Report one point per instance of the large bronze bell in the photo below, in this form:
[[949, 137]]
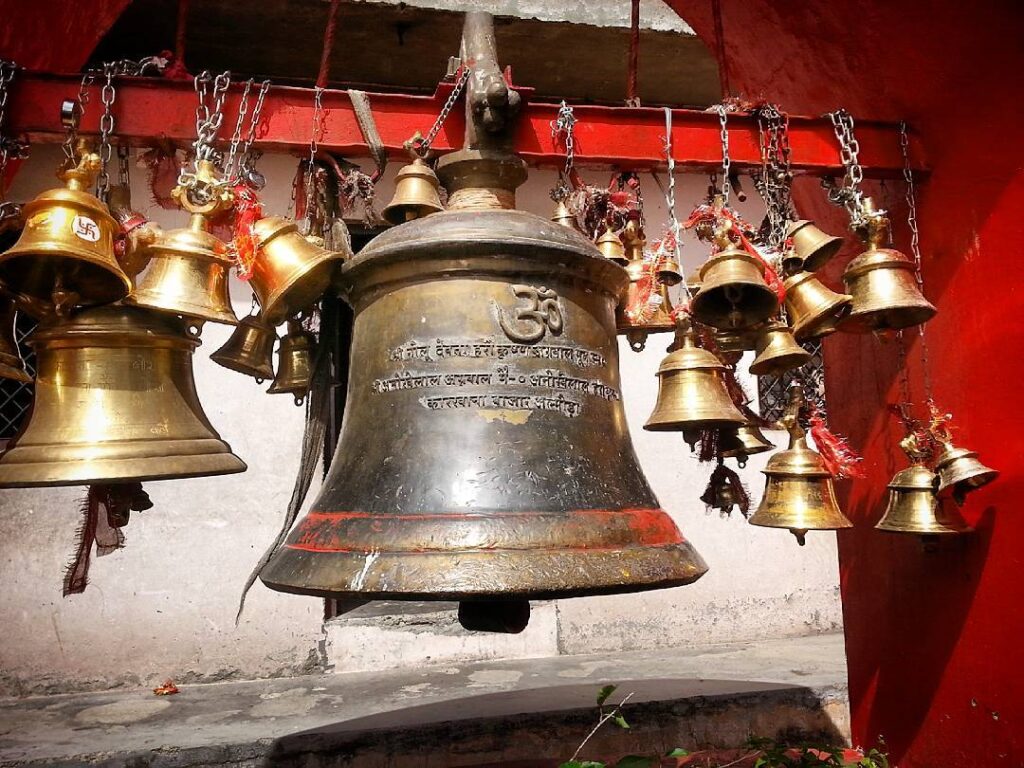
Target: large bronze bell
[[914, 508], [733, 293], [960, 471], [814, 311], [249, 349], [812, 247], [294, 363], [882, 283], [798, 491], [692, 393], [777, 351], [11, 365], [67, 244], [290, 273], [484, 454], [416, 193], [114, 401]]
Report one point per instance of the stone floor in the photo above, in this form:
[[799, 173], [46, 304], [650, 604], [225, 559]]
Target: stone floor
[[522, 712]]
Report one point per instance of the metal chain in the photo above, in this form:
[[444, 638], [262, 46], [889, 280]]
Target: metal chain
[[108, 94], [318, 108], [420, 146], [72, 113], [208, 120], [249, 156], [565, 124], [726, 160], [124, 173], [236, 135], [9, 147], [848, 194], [915, 248]]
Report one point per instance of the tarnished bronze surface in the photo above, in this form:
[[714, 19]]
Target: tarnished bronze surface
[[294, 363], [746, 441], [249, 349], [484, 450], [67, 245], [733, 293], [114, 401], [960, 471], [812, 308], [11, 364], [914, 508], [290, 273], [777, 351], [416, 194], [812, 247], [692, 394]]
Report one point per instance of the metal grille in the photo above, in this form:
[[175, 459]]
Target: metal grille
[[771, 390], [16, 397]]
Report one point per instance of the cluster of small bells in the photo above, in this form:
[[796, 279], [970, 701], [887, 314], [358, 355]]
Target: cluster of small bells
[[121, 305], [733, 309]]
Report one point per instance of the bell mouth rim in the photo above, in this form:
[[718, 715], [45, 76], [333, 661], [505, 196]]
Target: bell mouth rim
[[143, 469], [880, 319]]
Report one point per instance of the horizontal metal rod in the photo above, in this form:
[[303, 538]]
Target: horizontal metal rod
[[151, 110]]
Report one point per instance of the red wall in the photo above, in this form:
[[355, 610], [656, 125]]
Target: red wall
[[935, 641]]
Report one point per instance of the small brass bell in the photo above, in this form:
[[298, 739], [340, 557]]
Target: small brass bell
[[745, 441], [732, 344], [611, 247], [960, 471], [294, 363], [416, 193], [11, 365], [188, 268], [733, 292], [250, 349], [798, 491], [67, 242], [814, 311], [883, 284], [914, 508], [692, 394], [813, 247], [563, 215], [290, 273], [115, 401], [669, 272], [777, 351]]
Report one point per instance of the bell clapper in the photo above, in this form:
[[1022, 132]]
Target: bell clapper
[[800, 534]]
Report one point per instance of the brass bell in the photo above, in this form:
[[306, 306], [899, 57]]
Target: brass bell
[[733, 293], [914, 508], [249, 349], [813, 247], [744, 441], [882, 283], [294, 363], [611, 247], [777, 351], [692, 394], [290, 273], [115, 401], [67, 243], [416, 193], [188, 268], [11, 365], [669, 272], [814, 311], [732, 344], [798, 491], [563, 215], [960, 471]]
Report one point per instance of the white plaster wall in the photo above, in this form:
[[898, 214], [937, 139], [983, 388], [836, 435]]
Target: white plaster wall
[[165, 605]]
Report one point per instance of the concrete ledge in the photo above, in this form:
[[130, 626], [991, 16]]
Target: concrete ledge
[[467, 715]]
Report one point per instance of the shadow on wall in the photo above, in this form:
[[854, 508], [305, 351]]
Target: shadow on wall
[[543, 727]]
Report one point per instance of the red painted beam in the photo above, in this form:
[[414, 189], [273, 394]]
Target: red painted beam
[[148, 110]]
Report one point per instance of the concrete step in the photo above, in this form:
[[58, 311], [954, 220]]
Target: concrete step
[[533, 711]]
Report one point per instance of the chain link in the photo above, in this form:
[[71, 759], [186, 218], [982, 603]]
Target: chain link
[[723, 121], [318, 109], [73, 119], [209, 114], [9, 147], [848, 194], [422, 145], [915, 248], [564, 124], [108, 94]]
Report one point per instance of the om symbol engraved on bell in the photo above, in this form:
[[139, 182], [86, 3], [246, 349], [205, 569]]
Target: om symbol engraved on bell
[[540, 314]]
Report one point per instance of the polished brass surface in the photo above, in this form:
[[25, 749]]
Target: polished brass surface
[[611, 247], [798, 492], [960, 471], [11, 364], [294, 363], [669, 272], [484, 450], [563, 215], [745, 440], [883, 285], [250, 349], [290, 272], [67, 244], [777, 351], [914, 508], [733, 293], [813, 310], [416, 193], [813, 247], [114, 401], [692, 394]]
